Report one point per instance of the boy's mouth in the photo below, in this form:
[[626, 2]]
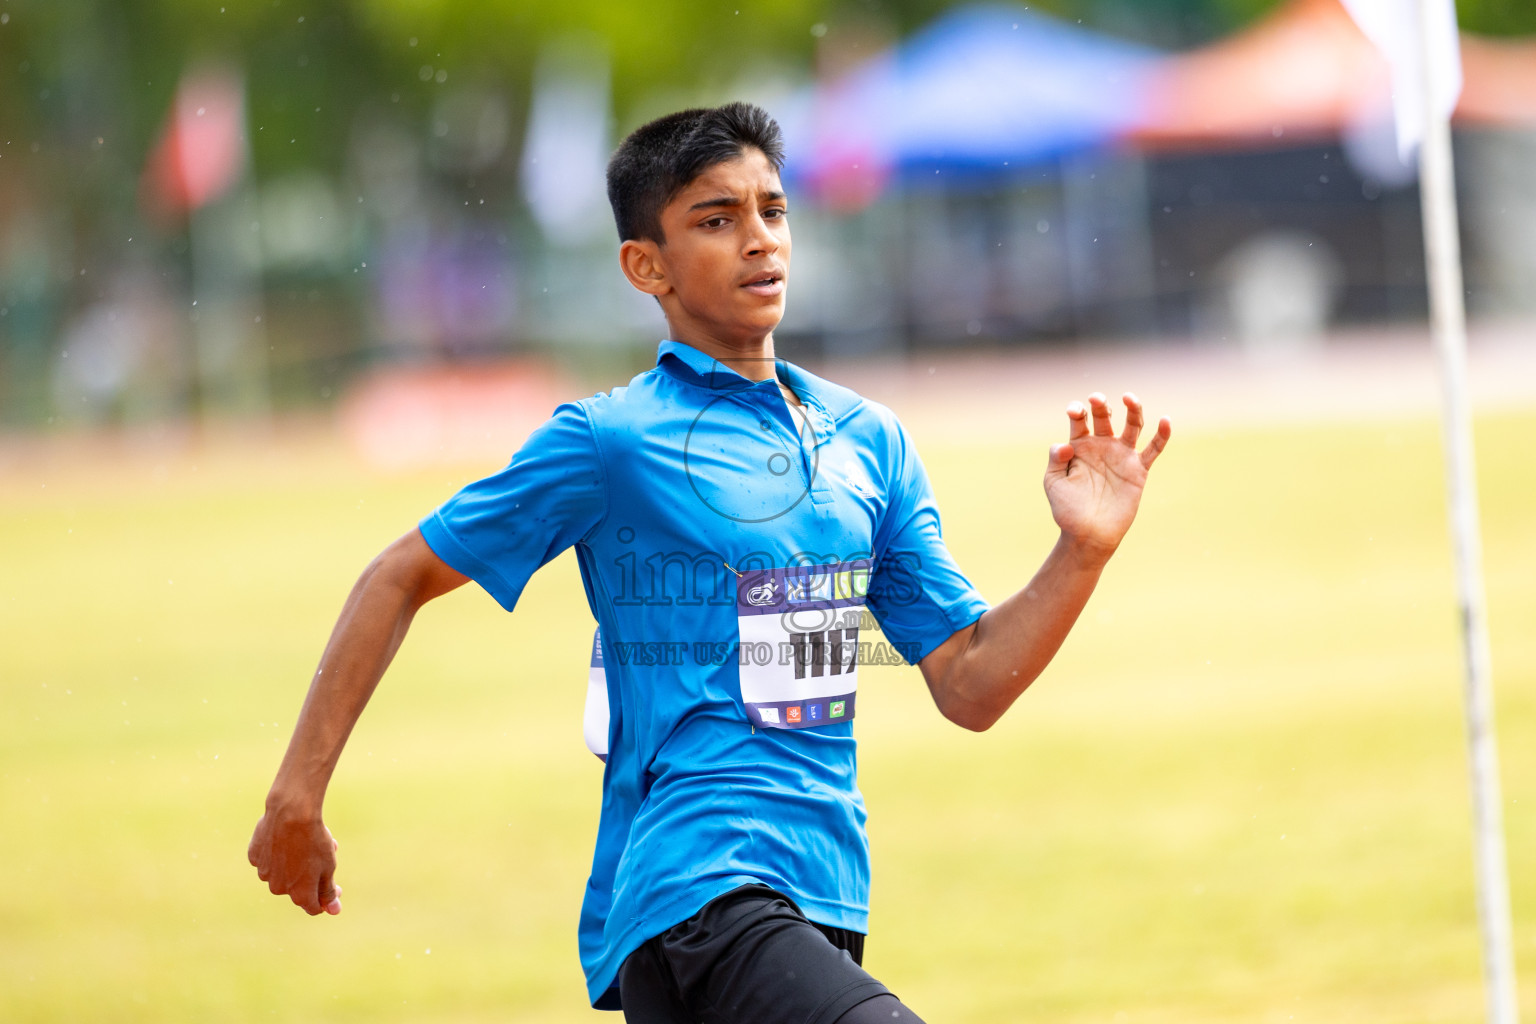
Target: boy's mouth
[[766, 285]]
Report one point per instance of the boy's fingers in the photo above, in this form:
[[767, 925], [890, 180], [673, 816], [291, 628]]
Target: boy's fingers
[[1102, 426], [1077, 421], [306, 902], [327, 888], [1133, 419], [1159, 441]]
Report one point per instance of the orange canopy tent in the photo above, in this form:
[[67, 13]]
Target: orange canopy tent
[[1305, 72]]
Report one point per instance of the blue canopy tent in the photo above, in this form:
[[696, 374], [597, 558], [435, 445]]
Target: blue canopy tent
[[977, 93]]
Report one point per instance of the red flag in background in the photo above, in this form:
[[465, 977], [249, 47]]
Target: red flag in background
[[202, 149]]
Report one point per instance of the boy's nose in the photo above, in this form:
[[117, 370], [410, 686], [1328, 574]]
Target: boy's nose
[[762, 240]]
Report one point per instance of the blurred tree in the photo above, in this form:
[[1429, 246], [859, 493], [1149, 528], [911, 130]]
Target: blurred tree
[[76, 71], [1498, 17]]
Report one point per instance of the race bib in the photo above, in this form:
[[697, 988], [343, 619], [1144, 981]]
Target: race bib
[[799, 652]]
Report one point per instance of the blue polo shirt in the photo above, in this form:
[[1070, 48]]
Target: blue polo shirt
[[730, 551]]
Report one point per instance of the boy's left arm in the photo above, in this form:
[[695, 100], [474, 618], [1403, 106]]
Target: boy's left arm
[[1093, 483]]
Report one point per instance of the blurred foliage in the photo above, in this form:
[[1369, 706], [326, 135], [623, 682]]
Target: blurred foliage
[[83, 70], [1497, 17]]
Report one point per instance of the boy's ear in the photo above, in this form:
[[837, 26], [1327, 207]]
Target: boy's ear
[[640, 259]]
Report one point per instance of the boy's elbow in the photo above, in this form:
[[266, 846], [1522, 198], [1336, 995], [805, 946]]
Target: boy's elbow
[[975, 704], [972, 719], [968, 713]]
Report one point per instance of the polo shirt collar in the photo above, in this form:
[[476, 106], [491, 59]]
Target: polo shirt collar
[[684, 361]]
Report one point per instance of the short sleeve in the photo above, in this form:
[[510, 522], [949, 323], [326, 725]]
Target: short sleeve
[[916, 591], [500, 529]]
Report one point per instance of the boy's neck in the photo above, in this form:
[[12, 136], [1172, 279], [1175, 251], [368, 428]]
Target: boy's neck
[[754, 360]]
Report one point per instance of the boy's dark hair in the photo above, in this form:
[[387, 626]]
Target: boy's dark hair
[[659, 159]]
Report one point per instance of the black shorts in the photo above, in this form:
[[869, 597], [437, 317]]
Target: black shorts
[[747, 957]]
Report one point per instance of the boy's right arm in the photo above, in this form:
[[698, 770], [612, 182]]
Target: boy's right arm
[[291, 849]]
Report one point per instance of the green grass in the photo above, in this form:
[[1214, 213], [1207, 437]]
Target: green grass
[[1239, 794]]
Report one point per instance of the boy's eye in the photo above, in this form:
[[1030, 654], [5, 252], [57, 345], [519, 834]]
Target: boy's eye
[[775, 212], [714, 222]]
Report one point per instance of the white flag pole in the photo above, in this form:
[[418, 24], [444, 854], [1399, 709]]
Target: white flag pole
[[1448, 320]]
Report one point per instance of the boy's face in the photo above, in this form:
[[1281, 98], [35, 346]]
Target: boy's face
[[722, 274]]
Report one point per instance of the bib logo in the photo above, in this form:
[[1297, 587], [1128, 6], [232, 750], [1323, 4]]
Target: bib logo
[[792, 714], [769, 715], [837, 709], [804, 589], [762, 593]]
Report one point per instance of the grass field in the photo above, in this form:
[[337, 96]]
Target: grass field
[[1239, 794]]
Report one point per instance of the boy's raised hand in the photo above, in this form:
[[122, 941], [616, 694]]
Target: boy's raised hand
[[1094, 480]]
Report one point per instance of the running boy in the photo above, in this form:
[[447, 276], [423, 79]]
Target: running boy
[[733, 517]]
